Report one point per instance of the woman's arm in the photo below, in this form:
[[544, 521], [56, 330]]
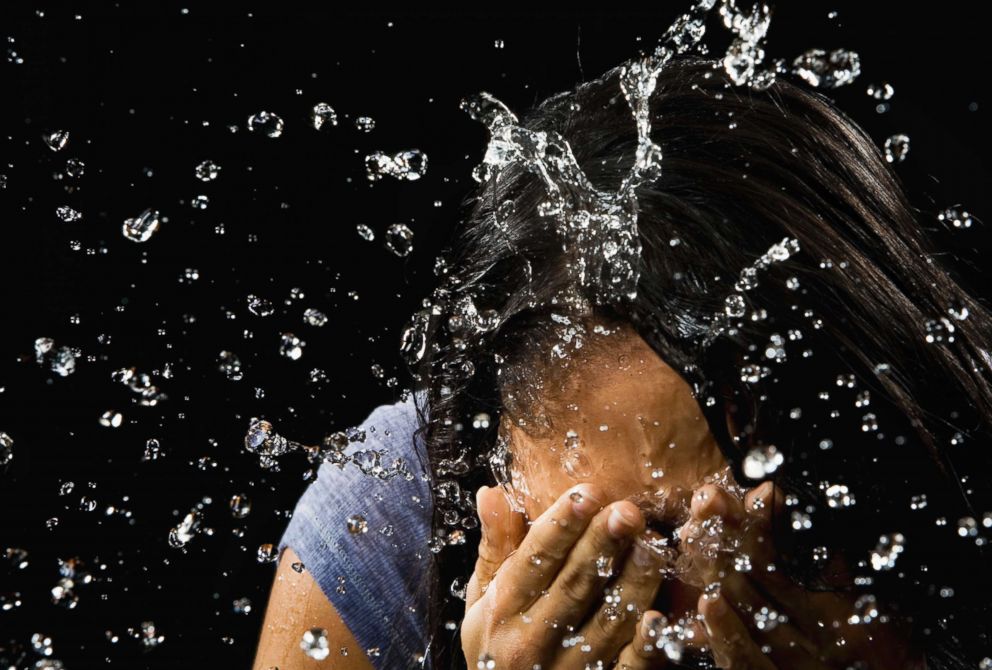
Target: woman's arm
[[296, 605]]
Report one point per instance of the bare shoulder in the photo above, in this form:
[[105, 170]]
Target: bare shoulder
[[296, 604]]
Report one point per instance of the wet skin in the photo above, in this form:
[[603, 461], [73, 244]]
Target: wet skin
[[540, 566], [656, 439]]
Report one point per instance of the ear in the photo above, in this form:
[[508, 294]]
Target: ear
[[738, 411], [731, 421]]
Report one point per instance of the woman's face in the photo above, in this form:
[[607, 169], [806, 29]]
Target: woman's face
[[621, 418]]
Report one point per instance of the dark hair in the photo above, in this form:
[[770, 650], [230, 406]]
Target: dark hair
[[858, 355]]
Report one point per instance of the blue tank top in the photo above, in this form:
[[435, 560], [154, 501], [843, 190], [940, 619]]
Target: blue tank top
[[374, 570]]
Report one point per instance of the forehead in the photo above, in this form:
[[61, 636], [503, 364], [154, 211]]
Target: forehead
[[613, 371]]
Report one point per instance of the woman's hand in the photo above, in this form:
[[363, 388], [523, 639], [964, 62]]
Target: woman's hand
[[756, 617], [542, 603]]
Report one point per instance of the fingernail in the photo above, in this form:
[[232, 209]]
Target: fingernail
[[584, 503], [621, 521]]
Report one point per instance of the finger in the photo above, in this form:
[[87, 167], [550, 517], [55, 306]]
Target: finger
[[502, 530], [646, 651], [626, 599], [788, 646], [531, 568], [765, 502], [714, 531], [711, 500], [578, 585], [729, 639]]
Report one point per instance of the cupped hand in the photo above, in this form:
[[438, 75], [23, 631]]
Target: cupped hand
[[565, 593], [755, 616]]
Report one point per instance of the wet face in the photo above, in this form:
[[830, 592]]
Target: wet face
[[618, 416]]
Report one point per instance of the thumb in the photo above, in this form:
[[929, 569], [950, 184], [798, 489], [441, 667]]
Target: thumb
[[502, 531]]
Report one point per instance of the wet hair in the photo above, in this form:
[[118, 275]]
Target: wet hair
[[860, 357]]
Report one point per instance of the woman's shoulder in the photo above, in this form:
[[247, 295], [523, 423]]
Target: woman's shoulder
[[361, 529]]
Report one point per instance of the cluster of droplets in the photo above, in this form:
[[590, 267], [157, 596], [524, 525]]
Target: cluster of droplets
[[146, 393], [735, 304], [887, 551], [597, 228], [672, 637], [457, 512], [72, 575], [60, 360], [262, 440], [406, 165]]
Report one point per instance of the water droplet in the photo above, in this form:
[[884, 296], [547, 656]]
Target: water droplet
[[291, 346], [153, 450], [734, 305], [229, 364], [267, 123], [57, 139], [6, 448], [399, 239], [267, 553], [67, 214], [207, 171], [240, 505], [111, 419], [323, 116], [762, 461], [314, 644], [260, 306], [314, 317], [357, 524], [365, 124], [896, 148], [63, 361], [75, 168], [365, 232], [185, 531], [142, 227]]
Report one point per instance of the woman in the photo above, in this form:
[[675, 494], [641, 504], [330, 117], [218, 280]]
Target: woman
[[789, 324]]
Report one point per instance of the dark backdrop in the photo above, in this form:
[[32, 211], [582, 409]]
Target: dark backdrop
[[147, 94]]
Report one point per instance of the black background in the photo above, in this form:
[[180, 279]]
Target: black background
[[147, 93]]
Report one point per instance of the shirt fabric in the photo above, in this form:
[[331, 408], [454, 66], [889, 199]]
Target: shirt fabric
[[377, 580]]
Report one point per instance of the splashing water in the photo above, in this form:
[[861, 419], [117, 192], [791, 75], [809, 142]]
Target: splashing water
[[599, 231]]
